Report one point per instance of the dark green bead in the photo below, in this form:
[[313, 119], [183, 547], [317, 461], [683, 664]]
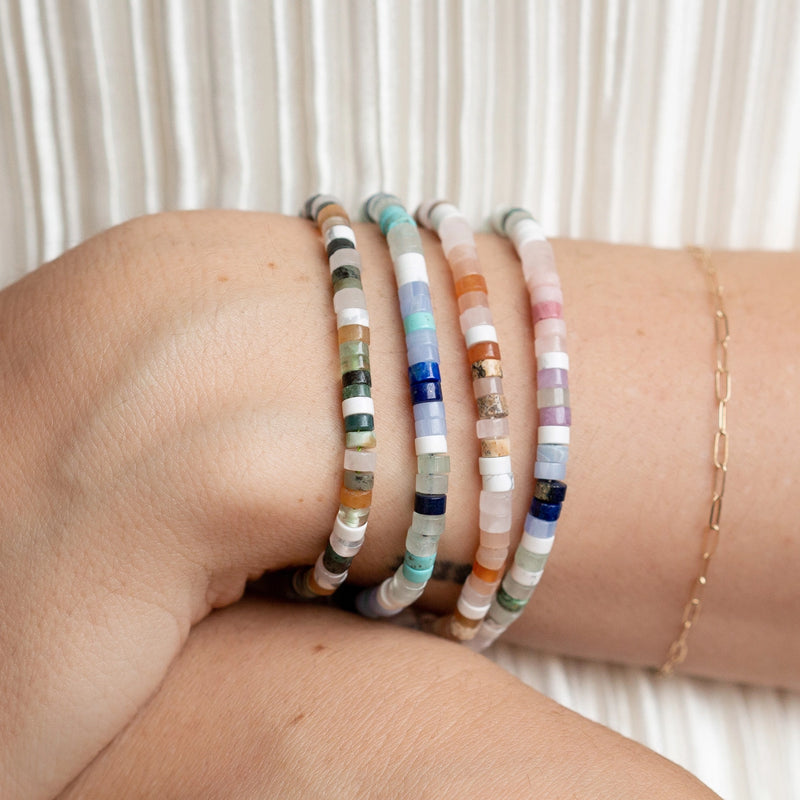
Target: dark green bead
[[508, 602], [356, 390], [335, 563], [359, 422]]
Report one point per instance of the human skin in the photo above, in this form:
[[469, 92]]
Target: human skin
[[301, 702], [172, 428]]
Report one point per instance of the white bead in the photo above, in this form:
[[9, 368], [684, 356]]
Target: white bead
[[553, 434], [352, 316], [497, 483], [552, 361], [523, 577], [471, 610], [357, 405], [339, 232], [430, 444], [347, 533], [498, 465], [527, 230], [409, 267], [535, 545], [480, 333], [344, 548], [441, 212]]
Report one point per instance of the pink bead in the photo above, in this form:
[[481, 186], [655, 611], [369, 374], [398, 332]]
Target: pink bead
[[471, 299], [495, 502], [455, 231], [555, 415], [463, 261], [483, 386], [481, 587], [542, 311], [537, 252], [541, 277], [494, 428], [496, 540], [548, 326], [491, 557], [477, 315], [552, 379], [550, 344], [547, 294]]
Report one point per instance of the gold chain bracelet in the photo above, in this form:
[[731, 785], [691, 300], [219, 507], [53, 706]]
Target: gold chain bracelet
[[679, 649]]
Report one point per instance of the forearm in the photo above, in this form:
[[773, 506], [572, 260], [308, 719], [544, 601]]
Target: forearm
[[277, 701], [641, 341]]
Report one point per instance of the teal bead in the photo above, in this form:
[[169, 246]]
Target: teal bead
[[419, 563], [416, 575], [418, 320]]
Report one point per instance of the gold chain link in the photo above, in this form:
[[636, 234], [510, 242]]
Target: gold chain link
[[679, 649]]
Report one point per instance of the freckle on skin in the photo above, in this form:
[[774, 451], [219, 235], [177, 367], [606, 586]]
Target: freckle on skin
[[318, 648], [639, 332], [320, 498], [297, 719], [222, 278]]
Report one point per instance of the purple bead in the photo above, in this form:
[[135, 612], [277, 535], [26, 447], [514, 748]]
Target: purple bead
[[414, 296], [555, 415], [430, 427], [552, 379], [434, 410]]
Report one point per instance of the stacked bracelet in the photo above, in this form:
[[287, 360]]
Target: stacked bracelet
[[433, 464], [352, 322], [483, 355], [552, 398]]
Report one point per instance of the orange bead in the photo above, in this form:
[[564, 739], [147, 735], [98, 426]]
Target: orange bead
[[471, 283], [353, 333], [483, 350], [333, 210], [486, 575], [316, 588], [353, 498]]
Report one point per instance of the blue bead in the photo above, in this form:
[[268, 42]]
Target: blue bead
[[426, 392], [546, 511], [539, 528], [432, 410], [420, 352], [550, 491], [414, 296], [424, 371], [429, 427], [430, 504]]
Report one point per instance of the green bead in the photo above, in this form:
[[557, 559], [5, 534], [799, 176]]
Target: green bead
[[356, 390], [359, 422], [354, 362], [355, 440], [532, 562], [433, 464], [347, 283]]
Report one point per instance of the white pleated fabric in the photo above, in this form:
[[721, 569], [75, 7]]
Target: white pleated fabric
[[661, 123]]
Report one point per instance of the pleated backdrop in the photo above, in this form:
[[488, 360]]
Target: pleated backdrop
[[654, 122]]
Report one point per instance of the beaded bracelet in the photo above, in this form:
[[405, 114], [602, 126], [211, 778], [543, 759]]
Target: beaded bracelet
[[352, 322], [483, 356], [433, 463], [552, 401]]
